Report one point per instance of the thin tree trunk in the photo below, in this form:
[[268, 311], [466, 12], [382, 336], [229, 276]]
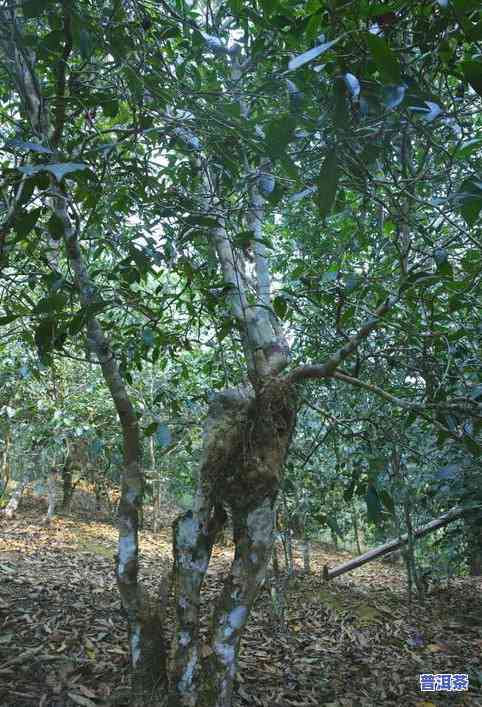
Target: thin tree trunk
[[474, 542], [67, 485], [51, 494], [5, 464], [253, 537], [194, 535], [275, 560], [288, 551], [144, 620], [306, 550], [440, 522], [356, 533], [12, 506], [156, 487]]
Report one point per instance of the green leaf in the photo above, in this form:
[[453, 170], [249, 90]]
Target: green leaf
[[8, 319], [473, 74], [387, 501], [110, 108], [49, 305], [311, 54], [279, 134], [206, 221], [280, 306], [34, 8], [468, 148], [469, 198], [59, 170], [56, 227], [236, 6], [163, 435], [30, 146], [26, 221], [150, 429], [384, 58], [269, 7], [374, 507], [85, 44], [327, 183], [473, 446], [148, 338]]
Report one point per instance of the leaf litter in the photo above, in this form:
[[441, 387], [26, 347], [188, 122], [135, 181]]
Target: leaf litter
[[349, 642]]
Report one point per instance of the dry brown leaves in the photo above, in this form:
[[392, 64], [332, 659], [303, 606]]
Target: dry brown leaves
[[346, 643]]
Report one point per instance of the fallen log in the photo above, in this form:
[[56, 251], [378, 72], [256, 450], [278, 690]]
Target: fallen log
[[385, 549]]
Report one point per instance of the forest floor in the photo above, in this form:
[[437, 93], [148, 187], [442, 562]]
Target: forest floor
[[352, 641]]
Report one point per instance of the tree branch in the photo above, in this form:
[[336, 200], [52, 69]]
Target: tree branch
[[399, 402], [61, 82], [327, 369]]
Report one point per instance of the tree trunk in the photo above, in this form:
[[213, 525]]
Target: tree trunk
[[67, 485], [474, 543], [51, 494], [253, 537], [5, 463], [356, 533], [12, 506], [156, 488], [147, 652], [306, 550], [245, 443]]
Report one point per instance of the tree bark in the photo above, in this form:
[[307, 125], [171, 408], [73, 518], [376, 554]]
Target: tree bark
[[306, 550], [67, 485], [246, 438], [144, 621], [51, 494], [12, 505], [253, 537], [473, 529], [355, 527], [440, 522], [5, 463]]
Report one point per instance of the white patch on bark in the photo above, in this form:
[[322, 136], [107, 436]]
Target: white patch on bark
[[183, 602], [260, 524], [188, 675], [187, 532], [136, 645], [253, 557], [225, 652], [127, 547], [237, 616], [184, 638], [131, 495], [198, 565]]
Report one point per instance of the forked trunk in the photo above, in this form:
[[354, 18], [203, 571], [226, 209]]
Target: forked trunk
[[247, 436]]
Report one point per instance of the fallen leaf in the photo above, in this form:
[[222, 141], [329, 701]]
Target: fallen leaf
[[79, 700]]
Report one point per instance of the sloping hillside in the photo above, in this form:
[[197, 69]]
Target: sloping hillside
[[349, 642]]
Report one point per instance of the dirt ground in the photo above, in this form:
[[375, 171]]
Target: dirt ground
[[352, 641]]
